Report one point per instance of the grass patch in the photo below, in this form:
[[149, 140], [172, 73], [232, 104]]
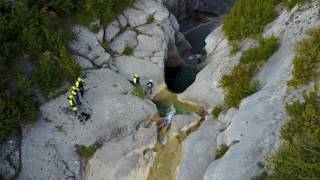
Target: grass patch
[[235, 46], [299, 155], [85, 152], [291, 3], [150, 19], [167, 160], [307, 59], [128, 51], [248, 18], [239, 85], [95, 28], [216, 111], [139, 92], [221, 151], [165, 99]]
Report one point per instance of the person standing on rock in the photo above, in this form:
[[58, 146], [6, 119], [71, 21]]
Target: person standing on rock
[[150, 86], [73, 106], [80, 84], [75, 92], [136, 80]]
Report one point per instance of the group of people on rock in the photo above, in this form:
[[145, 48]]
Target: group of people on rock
[[78, 89], [149, 85]]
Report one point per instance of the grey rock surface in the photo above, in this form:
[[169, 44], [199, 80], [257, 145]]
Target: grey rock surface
[[112, 30], [82, 62], [198, 151], [181, 123], [48, 146], [128, 38], [257, 124]]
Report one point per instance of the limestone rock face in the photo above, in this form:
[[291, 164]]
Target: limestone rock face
[[117, 118], [82, 62], [205, 90], [256, 125], [88, 46], [128, 38], [198, 151], [112, 30], [182, 123]]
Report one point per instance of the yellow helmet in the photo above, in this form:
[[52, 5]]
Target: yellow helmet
[[79, 79], [75, 108], [71, 96], [135, 75], [74, 88]]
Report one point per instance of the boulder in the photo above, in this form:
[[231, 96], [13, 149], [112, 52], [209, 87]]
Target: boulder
[[154, 8], [82, 62], [198, 151], [136, 17], [181, 123], [102, 59], [122, 21], [127, 38], [112, 30], [48, 146]]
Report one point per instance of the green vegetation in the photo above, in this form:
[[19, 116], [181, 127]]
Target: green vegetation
[[95, 28], [261, 53], [291, 3], [307, 59], [239, 85], [38, 32], [150, 19], [139, 92], [235, 46], [221, 151], [249, 18], [128, 51], [84, 151], [299, 155], [216, 111]]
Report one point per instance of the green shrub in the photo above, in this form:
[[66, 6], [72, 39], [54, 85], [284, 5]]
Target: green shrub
[[299, 155], [16, 108], [261, 53], [221, 151], [291, 3], [95, 28], [216, 111], [307, 60], [128, 51], [139, 92], [249, 17], [235, 46], [150, 19], [238, 85], [86, 152]]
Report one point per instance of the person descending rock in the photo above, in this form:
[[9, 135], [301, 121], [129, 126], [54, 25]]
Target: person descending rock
[[73, 106], [75, 92], [149, 86], [136, 80], [80, 84]]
